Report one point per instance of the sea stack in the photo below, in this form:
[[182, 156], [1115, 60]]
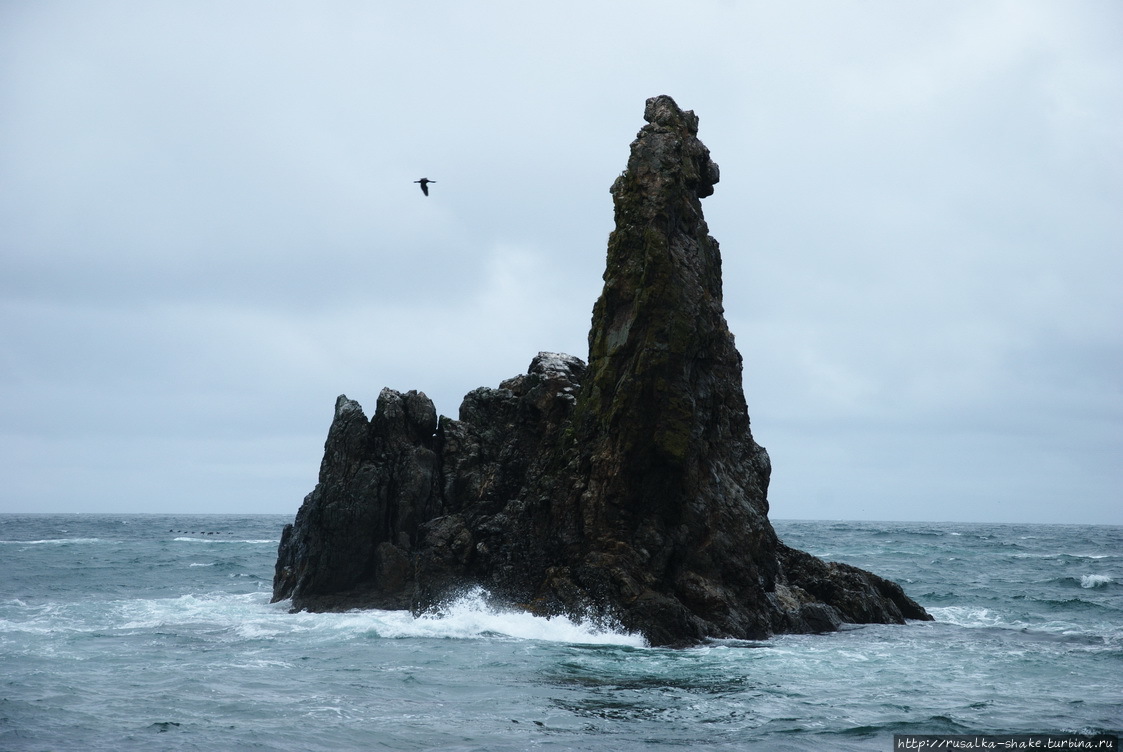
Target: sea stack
[[629, 489]]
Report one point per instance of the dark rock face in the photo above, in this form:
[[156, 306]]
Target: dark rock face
[[629, 489]]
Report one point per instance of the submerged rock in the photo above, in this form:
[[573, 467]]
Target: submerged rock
[[629, 489]]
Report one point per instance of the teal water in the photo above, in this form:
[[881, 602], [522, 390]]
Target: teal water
[[156, 632]]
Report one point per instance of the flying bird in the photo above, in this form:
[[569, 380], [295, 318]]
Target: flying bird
[[425, 184]]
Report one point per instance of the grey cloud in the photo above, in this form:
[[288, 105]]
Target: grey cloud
[[210, 229]]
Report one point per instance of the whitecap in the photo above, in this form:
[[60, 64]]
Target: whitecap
[[1095, 580]]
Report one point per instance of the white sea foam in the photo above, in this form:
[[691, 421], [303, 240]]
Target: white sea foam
[[218, 610], [1095, 580], [984, 618], [468, 617], [52, 541], [968, 616]]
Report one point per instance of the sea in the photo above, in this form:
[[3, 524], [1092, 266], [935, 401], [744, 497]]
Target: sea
[[155, 632]]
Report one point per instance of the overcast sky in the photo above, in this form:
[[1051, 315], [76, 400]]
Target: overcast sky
[[209, 229]]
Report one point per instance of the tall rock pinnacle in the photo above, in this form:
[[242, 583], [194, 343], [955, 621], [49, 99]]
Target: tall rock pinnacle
[[630, 489], [664, 375], [675, 478]]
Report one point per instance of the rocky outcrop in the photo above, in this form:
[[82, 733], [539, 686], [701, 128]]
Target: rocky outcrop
[[628, 489]]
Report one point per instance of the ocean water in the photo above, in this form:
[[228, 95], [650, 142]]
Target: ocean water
[[156, 633]]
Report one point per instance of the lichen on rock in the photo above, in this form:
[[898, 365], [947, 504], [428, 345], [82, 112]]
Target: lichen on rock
[[630, 487]]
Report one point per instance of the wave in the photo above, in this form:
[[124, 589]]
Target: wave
[[53, 541], [970, 616], [1096, 633], [1094, 557], [470, 616], [182, 539], [975, 617], [1086, 581]]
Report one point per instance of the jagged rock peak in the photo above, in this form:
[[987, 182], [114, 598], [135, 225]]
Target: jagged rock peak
[[668, 146]]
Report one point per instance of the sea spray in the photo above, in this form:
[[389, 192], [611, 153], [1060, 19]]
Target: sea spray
[[472, 615]]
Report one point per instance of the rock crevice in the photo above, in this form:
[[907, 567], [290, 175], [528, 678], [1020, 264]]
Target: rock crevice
[[629, 488]]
